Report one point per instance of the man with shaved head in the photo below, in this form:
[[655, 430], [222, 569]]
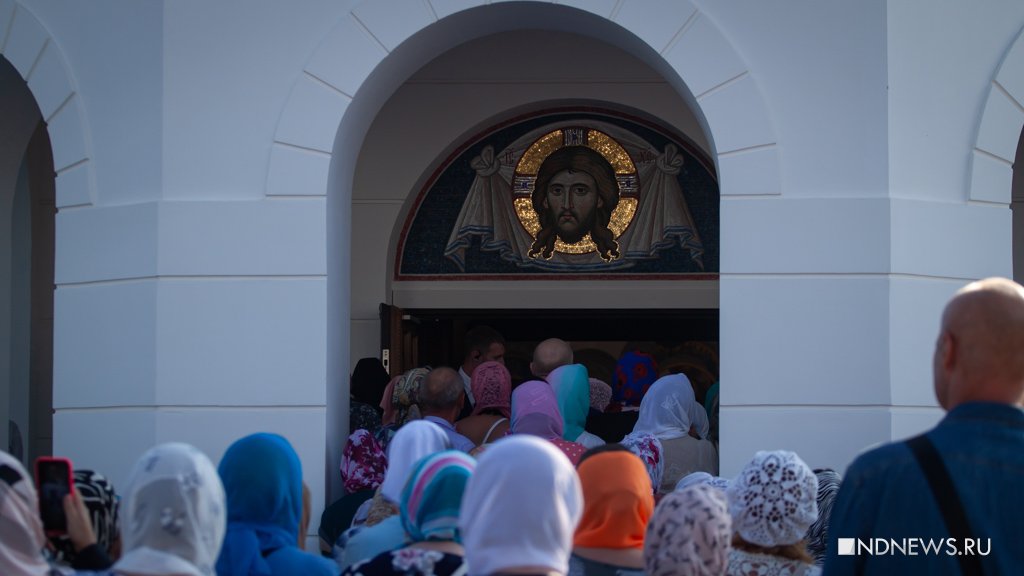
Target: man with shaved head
[[548, 355], [953, 492], [441, 398]]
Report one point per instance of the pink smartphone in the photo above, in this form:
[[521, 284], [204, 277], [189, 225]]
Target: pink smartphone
[[53, 482]]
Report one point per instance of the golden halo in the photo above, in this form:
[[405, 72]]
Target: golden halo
[[606, 146]]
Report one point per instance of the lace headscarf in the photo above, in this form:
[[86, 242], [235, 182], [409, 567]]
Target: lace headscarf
[[363, 463], [521, 508], [600, 394], [21, 531], [649, 449], [690, 534], [669, 410], [432, 497], [773, 501], [174, 514], [491, 385]]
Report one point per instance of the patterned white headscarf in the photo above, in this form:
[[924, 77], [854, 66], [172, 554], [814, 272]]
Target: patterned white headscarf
[[21, 530], [521, 507], [774, 499], [669, 409], [689, 534], [174, 515]]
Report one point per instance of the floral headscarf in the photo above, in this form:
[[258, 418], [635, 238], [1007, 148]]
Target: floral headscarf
[[491, 385], [600, 394], [174, 514], [634, 374], [432, 497], [690, 534], [648, 448], [404, 397], [363, 463]]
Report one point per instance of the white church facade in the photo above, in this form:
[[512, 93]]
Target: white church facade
[[233, 181]]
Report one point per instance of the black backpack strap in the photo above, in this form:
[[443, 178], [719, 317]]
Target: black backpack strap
[[945, 494]]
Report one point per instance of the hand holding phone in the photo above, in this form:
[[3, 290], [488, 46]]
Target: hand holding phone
[[53, 483]]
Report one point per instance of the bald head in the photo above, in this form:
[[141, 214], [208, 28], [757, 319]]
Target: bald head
[[979, 356], [550, 354], [441, 393]]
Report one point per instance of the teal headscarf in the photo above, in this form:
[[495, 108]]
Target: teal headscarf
[[432, 497], [572, 389]]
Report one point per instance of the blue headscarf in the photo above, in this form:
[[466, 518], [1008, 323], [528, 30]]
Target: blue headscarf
[[262, 477], [433, 496], [572, 389]]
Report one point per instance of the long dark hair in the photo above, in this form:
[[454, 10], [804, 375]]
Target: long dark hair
[[582, 159]]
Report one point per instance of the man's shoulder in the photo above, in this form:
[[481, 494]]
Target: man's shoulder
[[881, 462]]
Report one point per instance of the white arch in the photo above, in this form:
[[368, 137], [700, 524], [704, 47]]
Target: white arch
[[380, 43], [30, 48], [677, 39], [999, 129]]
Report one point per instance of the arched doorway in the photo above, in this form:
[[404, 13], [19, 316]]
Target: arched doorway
[[27, 208]]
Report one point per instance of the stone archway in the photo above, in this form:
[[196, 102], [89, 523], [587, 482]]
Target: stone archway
[[381, 43], [38, 58]]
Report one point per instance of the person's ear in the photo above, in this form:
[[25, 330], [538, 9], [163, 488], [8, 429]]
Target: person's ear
[[950, 350]]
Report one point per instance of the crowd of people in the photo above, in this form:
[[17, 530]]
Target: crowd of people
[[452, 471]]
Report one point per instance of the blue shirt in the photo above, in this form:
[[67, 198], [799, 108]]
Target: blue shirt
[[458, 441], [886, 495]]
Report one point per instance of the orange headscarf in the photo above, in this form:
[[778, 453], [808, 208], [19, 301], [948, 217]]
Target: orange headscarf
[[617, 501]]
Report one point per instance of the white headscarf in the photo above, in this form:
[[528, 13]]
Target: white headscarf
[[521, 507], [413, 441], [174, 514], [21, 530], [669, 409]]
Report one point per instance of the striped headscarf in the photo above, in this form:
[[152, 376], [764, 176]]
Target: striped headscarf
[[432, 497], [817, 534], [690, 534]]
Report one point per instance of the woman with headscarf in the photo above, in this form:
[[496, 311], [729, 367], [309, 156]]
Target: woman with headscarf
[[535, 412], [648, 448], [773, 502], [383, 530], [817, 535], [262, 477], [400, 403], [21, 530], [520, 509], [101, 505], [363, 464], [174, 514], [617, 504], [366, 389], [491, 385], [690, 534], [572, 389], [635, 373], [429, 513], [670, 413]]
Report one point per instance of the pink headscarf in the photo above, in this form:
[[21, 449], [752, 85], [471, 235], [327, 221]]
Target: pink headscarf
[[363, 463], [491, 384], [535, 410]]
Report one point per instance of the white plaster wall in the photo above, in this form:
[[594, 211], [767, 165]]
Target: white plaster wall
[[194, 145]]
